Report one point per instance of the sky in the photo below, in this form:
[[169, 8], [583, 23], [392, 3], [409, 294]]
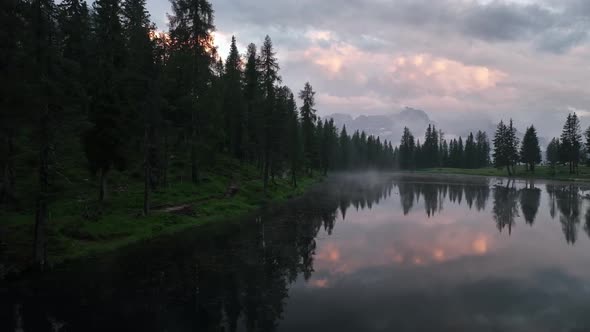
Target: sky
[[465, 62]]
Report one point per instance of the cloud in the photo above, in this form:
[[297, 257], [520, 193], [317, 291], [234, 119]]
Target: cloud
[[486, 59]]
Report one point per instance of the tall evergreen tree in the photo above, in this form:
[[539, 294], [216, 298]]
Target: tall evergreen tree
[[14, 69], [269, 77], [407, 150], [46, 86], [253, 96], [142, 93], [553, 153], [235, 120], [483, 149], [308, 123], [501, 148], [470, 152], [192, 58], [530, 151], [571, 142]]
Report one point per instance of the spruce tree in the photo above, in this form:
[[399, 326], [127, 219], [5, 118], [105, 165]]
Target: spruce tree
[[407, 150], [530, 151], [105, 142], [269, 77], [191, 61], [15, 60], [483, 149], [553, 153], [234, 113], [571, 142], [308, 123], [501, 148]]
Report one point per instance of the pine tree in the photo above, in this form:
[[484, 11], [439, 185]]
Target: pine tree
[[192, 58], [553, 153], [470, 152], [253, 97], [530, 151], [407, 150], [105, 142], [234, 113], [502, 148], [512, 146], [344, 145], [308, 123], [46, 86], [294, 145], [15, 60], [269, 77], [483, 149], [571, 142]]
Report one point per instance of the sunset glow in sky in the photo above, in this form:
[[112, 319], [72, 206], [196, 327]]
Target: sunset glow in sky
[[459, 60]]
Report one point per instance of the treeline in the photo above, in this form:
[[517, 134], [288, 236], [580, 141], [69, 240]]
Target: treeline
[[507, 150], [436, 151], [103, 85], [568, 149]]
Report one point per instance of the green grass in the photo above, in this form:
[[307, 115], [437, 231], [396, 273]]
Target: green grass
[[72, 236], [541, 172]]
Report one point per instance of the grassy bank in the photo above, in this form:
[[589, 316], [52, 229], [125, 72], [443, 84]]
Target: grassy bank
[[75, 231], [541, 172]]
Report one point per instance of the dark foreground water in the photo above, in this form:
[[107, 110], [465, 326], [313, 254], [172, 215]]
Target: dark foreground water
[[359, 253]]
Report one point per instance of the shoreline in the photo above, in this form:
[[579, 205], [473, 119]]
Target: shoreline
[[541, 173], [71, 238]]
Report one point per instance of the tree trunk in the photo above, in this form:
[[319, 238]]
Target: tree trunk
[[147, 173], [102, 192], [266, 169], [532, 168], [194, 164], [293, 179], [41, 212], [165, 162], [508, 168], [8, 190]]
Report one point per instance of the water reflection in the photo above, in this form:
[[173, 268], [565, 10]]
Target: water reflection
[[237, 277], [530, 199]]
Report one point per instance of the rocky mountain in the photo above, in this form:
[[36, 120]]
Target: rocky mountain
[[388, 127], [391, 126]]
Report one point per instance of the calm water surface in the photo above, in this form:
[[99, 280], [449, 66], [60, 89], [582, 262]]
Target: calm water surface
[[359, 253]]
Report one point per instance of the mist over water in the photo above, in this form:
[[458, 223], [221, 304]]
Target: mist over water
[[360, 252]]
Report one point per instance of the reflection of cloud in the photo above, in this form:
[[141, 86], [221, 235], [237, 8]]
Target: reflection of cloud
[[319, 283], [480, 245], [382, 238], [329, 252]]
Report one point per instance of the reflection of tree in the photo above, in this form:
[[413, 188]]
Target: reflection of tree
[[587, 225], [505, 206], [568, 202], [407, 196], [411, 190], [530, 199], [550, 188], [430, 194], [215, 278], [456, 193]]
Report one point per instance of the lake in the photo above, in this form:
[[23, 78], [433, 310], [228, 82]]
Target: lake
[[360, 252]]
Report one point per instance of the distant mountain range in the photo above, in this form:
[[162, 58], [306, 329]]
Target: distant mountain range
[[391, 126], [388, 127]]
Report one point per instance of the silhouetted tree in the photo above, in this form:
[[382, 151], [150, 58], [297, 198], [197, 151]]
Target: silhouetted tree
[[407, 150], [571, 142], [530, 151], [530, 198]]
